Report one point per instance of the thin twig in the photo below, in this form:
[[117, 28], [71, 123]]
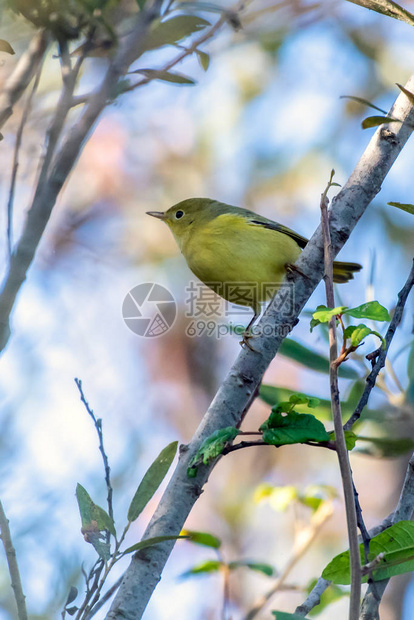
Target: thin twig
[[302, 545], [63, 107], [383, 352], [19, 136], [12, 564], [343, 457], [98, 425], [194, 46], [22, 75], [361, 525], [104, 599]]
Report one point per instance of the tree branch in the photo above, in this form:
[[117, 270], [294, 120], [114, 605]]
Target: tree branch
[[49, 186], [12, 564], [404, 511], [21, 77], [98, 426], [19, 137], [341, 449], [236, 391], [383, 352]]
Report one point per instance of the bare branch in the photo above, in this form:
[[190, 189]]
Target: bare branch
[[104, 599], [48, 188], [383, 352], [314, 597], [236, 391], [19, 137], [192, 48], [98, 425], [341, 449], [22, 75], [12, 564]]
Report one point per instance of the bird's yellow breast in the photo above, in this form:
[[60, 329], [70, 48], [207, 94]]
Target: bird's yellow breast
[[230, 250]]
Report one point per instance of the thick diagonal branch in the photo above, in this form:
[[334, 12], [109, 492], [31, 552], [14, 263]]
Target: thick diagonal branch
[[239, 386]]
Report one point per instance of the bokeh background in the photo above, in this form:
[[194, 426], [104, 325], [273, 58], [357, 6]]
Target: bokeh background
[[262, 129]]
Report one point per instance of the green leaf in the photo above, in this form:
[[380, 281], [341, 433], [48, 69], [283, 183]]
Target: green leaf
[[409, 95], [259, 567], [204, 59], [350, 439], [73, 593], [6, 47], [141, 4], [363, 101], [397, 545], [152, 480], [208, 566], [323, 314], [150, 542], [308, 358], [388, 8], [370, 310], [173, 30], [94, 518], [166, 76], [409, 208], [283, 615], [211, 448], [357, 333], [376, 121], [272, 395], [202, 538], [317, 494], [294, 427], [303, 399], [386, 447]]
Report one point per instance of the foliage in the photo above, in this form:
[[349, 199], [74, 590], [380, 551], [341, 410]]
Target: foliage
[[390, 553]]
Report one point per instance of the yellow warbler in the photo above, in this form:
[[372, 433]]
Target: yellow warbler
[[239, 254]]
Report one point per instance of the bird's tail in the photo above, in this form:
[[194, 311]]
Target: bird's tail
[[342, 272]]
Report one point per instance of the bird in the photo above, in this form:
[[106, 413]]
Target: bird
[[226, 245]]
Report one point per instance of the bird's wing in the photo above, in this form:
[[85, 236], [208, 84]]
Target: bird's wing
[[265, 223]]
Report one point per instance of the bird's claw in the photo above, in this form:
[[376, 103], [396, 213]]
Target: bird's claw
[[245, 341]]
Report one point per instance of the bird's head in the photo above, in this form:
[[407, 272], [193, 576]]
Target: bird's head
[[186, 216]]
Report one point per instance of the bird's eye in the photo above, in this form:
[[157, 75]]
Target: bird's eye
[[179, 214]]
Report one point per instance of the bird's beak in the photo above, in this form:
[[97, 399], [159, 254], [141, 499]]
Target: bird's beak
[[158, 214]]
